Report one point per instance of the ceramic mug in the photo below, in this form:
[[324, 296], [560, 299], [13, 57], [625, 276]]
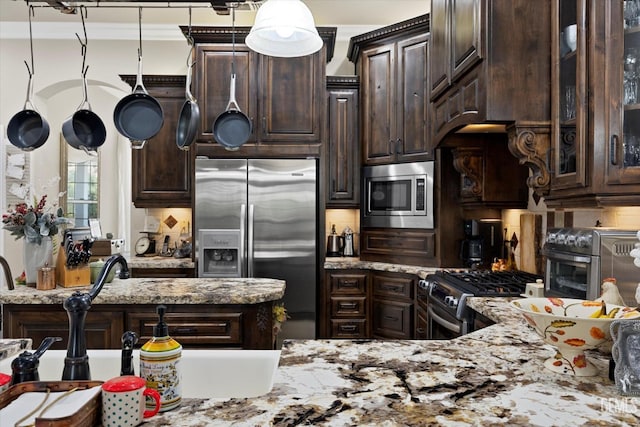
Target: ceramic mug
[[123, 401]]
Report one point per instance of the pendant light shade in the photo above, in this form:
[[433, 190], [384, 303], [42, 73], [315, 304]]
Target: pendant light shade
[[284, 28]]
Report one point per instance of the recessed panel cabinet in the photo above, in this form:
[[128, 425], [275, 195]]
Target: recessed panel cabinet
[[342, 153], [162, 173], [282, 97], [392, 63]]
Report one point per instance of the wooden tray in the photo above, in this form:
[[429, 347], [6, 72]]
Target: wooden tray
[[88, 415]]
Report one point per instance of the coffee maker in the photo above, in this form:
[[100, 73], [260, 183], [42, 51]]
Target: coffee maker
[[482, 243]]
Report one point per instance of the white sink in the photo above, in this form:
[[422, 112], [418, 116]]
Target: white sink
[[205, 373]]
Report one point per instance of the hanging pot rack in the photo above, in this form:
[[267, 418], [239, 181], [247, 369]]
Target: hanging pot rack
[[221, 7]]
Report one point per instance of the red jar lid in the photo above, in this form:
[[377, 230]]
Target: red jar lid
[[124, 383], [4, 379]]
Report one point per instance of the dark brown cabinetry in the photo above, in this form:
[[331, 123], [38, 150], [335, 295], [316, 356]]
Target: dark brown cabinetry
[[235, 326], [482, 72], [398, 246], [421, 319], [283, 97], [392, 63], [344, 311], [342, 150], [161, 172], [595, 139], [489, 175], [392, 305]]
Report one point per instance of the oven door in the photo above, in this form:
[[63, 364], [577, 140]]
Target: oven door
[[572, 275], [441, 324]]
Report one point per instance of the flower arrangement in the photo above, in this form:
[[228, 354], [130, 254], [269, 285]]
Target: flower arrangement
[[279, 317], [33, 222]]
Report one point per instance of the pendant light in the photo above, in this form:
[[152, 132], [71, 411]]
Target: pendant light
[[284, 28]]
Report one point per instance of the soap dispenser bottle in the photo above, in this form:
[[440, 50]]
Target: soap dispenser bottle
[[160, 364]]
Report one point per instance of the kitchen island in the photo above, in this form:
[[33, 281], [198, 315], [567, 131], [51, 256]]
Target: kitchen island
[[493, 376], [201, 312]]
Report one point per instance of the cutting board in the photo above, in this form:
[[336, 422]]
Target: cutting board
[[530, 243]]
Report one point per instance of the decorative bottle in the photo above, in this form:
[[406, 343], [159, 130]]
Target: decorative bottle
[[160, 365]]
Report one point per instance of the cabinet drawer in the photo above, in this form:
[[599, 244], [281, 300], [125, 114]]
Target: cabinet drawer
[[395, 287], [351, 328], [392, 319], [421, 325], [354, 283], [348, 307], [186, 328]]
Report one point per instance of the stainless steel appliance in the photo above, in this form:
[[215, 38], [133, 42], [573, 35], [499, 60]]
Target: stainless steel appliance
[[579, 258], [482, 243], [447, 313], [349, 248], [269, 205], [335, 243], [398, 195]]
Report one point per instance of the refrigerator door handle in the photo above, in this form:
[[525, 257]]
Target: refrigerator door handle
[[243, 249], [250, 241]]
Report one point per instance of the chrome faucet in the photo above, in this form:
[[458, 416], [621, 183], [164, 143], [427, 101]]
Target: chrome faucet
[[7, 273], [76, 364]]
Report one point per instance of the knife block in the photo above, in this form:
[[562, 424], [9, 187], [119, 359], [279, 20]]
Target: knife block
[[70, 277]]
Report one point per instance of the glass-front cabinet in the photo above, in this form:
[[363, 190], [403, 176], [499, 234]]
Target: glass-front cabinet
[[624, 60], [594, 155]]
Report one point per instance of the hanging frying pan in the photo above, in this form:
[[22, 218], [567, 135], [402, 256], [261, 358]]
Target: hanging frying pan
[[84, 129], [190, 112], [138, 116], [27, 129], [232, 128]]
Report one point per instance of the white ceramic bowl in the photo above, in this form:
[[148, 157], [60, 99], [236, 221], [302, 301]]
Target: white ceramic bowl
[[567, 325], [570, 35]]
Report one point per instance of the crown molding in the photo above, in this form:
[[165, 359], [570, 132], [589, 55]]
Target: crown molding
[[13, 30]]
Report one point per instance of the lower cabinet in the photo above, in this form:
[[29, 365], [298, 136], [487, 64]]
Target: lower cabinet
[[246, 326], [368, 304], [422, 331]]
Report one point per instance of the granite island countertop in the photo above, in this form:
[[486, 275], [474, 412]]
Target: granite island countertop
[[493, 376], [158, 291]]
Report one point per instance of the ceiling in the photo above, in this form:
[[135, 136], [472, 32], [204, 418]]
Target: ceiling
[[325, 12]]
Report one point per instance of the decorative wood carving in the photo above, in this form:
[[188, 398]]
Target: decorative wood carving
[[468, 161], [530, 143]]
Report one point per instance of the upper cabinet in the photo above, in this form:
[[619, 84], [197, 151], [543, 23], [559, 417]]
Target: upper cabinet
[[392, 63], [162, 173], [595, 140], [490, 62], [284, 98], [342, 153]]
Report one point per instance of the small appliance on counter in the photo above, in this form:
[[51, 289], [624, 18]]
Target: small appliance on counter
[[335, 243], [482, 243], [348, 248]]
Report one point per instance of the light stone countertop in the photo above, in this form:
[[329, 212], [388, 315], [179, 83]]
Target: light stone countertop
[[159, 262], [341, 263], [494, 376], [159, 291]]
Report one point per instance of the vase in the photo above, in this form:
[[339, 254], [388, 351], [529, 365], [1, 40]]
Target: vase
[[36, 256]]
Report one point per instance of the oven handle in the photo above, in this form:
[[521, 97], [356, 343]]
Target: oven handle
[[442, 322], [566, 257]]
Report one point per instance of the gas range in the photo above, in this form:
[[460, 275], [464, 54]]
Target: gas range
[[448, 291]]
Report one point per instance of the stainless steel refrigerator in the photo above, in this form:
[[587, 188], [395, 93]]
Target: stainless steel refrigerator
[[258, 218]]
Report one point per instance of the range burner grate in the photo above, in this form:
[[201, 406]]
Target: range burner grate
[[488, 283]]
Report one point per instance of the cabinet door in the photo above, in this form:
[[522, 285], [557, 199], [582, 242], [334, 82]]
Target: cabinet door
[[466, 35], [623, 154], [412, 116], [392, 319], [161, 172], [103, 329], [570, 102], [291, 99], [343, 161], [212, 83], [378, 96], [439, 69]]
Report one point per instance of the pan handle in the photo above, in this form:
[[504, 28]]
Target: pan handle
[[232, 95], [139, 88]]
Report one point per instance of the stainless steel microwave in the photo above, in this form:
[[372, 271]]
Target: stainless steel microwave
[[398, 195]]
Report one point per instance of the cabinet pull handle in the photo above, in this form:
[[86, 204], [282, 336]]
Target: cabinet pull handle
[[391, 288], [347, 328], [391, 149], [264, 124], [348, 305], [399, 146], [185, 330], [613, 150], [395, 319], [349, 283], [420, 330]]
